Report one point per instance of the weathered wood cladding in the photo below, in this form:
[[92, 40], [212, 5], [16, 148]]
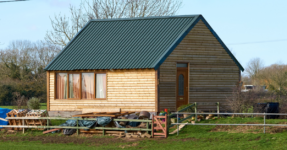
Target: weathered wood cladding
[[130, 90], [212, 72], [48, 90]]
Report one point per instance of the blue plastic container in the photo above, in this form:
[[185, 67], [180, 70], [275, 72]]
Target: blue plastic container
[[3, 115]]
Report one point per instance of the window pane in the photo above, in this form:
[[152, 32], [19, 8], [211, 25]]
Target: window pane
[[88, 91], [180, 85], [61, 86], [74, 86], [181, 65], [101, 86]]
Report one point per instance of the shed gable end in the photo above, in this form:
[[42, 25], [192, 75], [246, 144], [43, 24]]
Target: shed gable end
[[212, 70]]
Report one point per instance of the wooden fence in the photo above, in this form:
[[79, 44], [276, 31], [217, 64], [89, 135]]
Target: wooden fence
[[77, 127]]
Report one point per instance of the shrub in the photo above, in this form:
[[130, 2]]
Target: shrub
[[34, 103], [191, 109]]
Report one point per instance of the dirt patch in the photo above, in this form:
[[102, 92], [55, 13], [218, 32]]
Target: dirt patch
[[249, 129], [129, 145], [86, 139]]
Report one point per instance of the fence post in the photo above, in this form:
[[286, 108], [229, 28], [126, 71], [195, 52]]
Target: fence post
[[152, 125], [77, 126], [23, 125], [166, 126], [195, 111], [147, 127], [47, 123], [177, 123], [167, 123], [264, 122], [217, 109]]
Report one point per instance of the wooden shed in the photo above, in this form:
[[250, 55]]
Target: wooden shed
[[137, 64]]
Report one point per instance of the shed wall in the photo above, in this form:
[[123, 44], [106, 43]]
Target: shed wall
[[212, 72], [130, 90]]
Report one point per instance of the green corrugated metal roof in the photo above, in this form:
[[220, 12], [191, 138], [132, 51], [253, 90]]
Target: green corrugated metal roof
[[124, 43]]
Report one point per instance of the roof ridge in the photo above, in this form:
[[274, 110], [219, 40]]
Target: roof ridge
[[145, 18]]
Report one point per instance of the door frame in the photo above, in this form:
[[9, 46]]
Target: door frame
[[188, 83]]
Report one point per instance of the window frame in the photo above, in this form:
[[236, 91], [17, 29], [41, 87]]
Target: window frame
[[55, 85], [80, 73], [69, 86]]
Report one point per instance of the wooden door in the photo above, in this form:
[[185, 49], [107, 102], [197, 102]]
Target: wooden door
[[181, 85]]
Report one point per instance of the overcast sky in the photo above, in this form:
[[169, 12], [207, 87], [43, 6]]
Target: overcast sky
[[250, 28]]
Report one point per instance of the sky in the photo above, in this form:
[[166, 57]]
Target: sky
[[249, 28]]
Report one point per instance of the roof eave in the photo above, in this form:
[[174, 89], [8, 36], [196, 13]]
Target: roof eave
[[145, 18], [51, 62], [222, 44]]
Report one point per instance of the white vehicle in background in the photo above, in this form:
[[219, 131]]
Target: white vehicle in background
[[253, 87]]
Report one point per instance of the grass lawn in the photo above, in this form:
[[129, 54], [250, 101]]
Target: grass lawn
[[190, 137], [42, 106]]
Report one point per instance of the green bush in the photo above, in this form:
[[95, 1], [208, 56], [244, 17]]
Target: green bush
[[34, 103], [191, 109]]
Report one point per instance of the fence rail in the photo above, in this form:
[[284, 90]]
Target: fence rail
[[231, 113], [76, 127], [263, 114]]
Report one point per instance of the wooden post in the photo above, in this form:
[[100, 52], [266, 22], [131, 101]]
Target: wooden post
[[177, 118], [195, 111], [152, 125], [47, 123], [264, 122], [166, 130], [147, 127], [48, 90], [217, 109], [77, 127], [103, 131], [23, 125], [168, 123]]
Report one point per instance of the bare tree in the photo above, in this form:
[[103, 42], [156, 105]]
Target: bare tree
[[253, 68], [20, 100], [64, 28], [246, 80], [24, 59], [275, 77], [22, 69]]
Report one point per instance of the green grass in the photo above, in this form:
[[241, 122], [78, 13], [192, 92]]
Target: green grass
[[190, 137], [42, 106], [26, 145]]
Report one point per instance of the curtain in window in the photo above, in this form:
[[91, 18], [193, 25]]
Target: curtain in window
[[88, 91], [101, 86], [61, 86], [74, 86]]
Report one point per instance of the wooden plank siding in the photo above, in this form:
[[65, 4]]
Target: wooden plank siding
[[48, 90], [212, 72], [130, 90]]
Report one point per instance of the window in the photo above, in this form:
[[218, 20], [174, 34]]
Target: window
[[101, 86], [88, 85], [61, 86], [88, 91], [181, 65], [74, 86]]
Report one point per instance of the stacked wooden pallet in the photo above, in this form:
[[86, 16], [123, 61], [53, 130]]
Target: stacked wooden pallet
[[16, 113], [36, 122]]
